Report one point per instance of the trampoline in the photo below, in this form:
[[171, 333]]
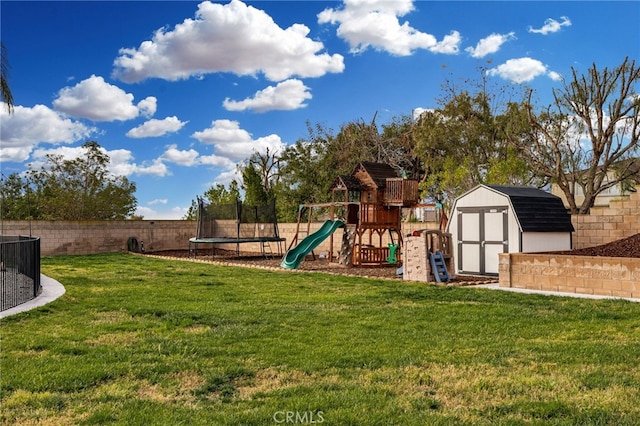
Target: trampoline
[[236, 223]]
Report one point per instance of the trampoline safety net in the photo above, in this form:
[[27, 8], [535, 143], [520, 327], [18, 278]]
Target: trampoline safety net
[[236, 220]]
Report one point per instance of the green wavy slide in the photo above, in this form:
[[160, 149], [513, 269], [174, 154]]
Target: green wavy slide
[[295, 255]]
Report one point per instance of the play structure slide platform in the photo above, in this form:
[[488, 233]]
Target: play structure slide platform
[[294, 256]]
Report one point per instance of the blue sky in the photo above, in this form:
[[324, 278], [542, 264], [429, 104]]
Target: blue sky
[[179, 92]]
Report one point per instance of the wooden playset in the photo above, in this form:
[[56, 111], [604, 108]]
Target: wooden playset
[[369, 203]]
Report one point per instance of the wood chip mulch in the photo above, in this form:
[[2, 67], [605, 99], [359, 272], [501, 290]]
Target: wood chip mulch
[[628, 247], [255, 260]]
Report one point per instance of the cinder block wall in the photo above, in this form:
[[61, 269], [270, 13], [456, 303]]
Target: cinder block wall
[[621, 219], [604, 276], [605, 224], [91, 237]]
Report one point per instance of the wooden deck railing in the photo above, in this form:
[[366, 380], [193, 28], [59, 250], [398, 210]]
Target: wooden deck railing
[[371, 255], [377, 215], [401, 192]]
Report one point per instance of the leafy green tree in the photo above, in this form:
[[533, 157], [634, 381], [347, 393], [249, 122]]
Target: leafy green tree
[[311, 165], [255, 193], [588, 139], [390, 143], [305, 173], [398, 147], [216, 194], [356, 141], [467, 141], [260, 177], [220, 194], [81, 188], [192, 211], [15, 198]]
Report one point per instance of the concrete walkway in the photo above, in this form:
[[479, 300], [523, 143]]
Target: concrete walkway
[[552, 293], [51, 290]]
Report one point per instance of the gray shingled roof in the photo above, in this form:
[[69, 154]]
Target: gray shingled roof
[[537, 210]]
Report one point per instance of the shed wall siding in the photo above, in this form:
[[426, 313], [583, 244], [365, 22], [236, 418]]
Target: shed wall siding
[[482, 197], [545, 241], [514, 232]]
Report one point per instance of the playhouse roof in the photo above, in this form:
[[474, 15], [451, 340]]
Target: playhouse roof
[[535, 209], [379, 172], [348, 182]]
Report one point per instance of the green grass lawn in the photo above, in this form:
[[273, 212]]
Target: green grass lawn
[[145, 341]]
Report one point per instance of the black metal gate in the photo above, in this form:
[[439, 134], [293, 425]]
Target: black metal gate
[[19, 270]]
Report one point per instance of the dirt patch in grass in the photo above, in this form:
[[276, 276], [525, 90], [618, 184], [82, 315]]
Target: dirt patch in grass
[[110, 317], [124, 339]]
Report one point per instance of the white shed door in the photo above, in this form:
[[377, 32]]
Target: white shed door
[[482, 235], [469, 235]]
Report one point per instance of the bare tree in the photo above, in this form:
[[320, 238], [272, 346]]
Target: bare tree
[[392, 144], [587, 140], [268, 167]]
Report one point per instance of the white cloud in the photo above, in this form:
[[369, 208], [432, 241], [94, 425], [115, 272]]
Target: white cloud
[[287, 95], [181, 157], [27, 127], [98, 100], [554, 76], [154, 168], [146, 212], [227, 38], [119, 165], [148, 106], [490, 44], [120, 161], [158, 201], [217, 161], [450, 44], [227, 176], [522, 70], [174, 213], [375, 24], [234, 143], [551, 26], [39, 155], [417, 112], [154, 127]]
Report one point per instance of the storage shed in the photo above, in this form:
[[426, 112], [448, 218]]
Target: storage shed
[[493, 219]]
